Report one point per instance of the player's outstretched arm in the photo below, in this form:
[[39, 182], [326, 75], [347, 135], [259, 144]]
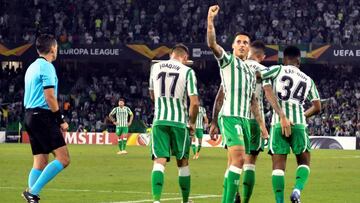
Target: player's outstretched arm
[[211, 35], [284, 122], [314, 109], [254, 107], [219, 100]]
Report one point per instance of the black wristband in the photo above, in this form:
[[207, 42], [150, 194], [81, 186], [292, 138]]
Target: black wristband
[[59, 118]]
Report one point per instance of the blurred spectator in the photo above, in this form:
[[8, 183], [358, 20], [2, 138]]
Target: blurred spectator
[[114, 21]]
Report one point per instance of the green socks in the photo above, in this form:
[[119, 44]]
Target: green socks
[[278, 183], [248, 182], [302, 175], [225, 186], [184, 182], [120, 143], [198, 148], [124, 143], [157, 181], [233, 180], [193, 148]]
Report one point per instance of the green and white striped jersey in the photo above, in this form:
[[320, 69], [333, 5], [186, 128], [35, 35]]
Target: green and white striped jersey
[[172, 82], [121, 115], [200, 118], [238, 82], [291, 87], [259, 93]]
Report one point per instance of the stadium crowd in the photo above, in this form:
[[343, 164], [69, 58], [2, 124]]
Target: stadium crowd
[[87, 99], [135, 21]]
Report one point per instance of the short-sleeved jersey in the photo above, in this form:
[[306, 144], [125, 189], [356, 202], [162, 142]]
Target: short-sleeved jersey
[[238, 82], [40, 75], [172, 82], [292, 87], [259, 93], [200, 118], [122, 114]]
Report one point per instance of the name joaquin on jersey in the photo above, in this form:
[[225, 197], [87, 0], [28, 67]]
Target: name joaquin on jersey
[[169, 65]]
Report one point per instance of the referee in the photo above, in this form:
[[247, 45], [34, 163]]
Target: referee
[[43, 120]]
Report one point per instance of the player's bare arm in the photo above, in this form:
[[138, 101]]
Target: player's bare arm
[[193, 112], [131, 120], [206, 121], [256, 111], [284, 122], [111, 118], [314, 109], [211, 35], [219, 99], [151, 92]]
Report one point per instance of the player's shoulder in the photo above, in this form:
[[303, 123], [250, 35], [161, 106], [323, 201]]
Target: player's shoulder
[[255, 65], [273, 67], [46, 66]]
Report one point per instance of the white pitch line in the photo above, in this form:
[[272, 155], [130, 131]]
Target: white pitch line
[[169, 199], [99, 191]]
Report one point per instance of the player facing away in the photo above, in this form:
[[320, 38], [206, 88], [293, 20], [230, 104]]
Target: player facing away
[[238, 83], [256, 56], [292, 87], [201, 122], [171, 82], [43, 120], [122, 124]]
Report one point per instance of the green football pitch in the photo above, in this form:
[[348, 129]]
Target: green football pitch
[[98, 174]]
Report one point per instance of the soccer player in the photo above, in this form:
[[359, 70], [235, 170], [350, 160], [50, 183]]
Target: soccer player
[[122, 113], [43, 120], [238, 83], [170, 84], [292, 87], [201, 122], [257, 54]]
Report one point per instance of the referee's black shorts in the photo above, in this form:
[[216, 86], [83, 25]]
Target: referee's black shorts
[[44, 133]]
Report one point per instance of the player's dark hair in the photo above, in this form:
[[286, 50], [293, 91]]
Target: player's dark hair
[[182, 47], [122, 99], [242, 33], [44, 43], [292, 52], [258, 44]]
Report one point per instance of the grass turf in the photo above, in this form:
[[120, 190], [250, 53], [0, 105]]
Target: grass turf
[[98, 174]]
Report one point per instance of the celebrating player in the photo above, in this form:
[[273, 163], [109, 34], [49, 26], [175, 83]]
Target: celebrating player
[[201, 122], [257, 54], [292, 87], [238, 83], [43, 120], [170, 84], [122, 113]]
